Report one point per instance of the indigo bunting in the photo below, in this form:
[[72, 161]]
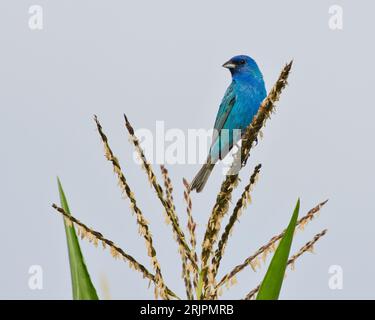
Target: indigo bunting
[[237, 109]]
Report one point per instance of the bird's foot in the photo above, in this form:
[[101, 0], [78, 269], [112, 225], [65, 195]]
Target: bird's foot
[[256, 142]]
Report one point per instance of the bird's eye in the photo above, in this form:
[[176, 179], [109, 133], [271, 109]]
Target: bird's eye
[[241, 62]]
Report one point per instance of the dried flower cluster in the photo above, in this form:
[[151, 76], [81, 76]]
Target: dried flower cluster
[[95, 237], [308, 247], [231, 181], [142, 222], [199, 275], [261, 254]]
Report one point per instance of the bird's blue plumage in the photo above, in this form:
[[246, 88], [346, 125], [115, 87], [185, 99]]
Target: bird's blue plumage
[[239, 105], [237, 109]]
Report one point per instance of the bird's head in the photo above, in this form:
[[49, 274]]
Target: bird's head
[[243, 66]]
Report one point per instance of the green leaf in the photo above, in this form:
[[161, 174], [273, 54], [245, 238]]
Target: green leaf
[[273, 280], [82, 287]]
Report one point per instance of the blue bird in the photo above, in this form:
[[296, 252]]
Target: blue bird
[[237, 109]]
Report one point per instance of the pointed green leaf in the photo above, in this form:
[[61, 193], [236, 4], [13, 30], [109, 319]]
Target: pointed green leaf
[[82, 287], [273, 280]]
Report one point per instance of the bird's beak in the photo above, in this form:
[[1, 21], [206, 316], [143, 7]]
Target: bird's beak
[[229, 64]]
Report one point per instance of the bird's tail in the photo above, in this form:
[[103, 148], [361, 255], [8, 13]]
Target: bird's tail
[[201, 178]]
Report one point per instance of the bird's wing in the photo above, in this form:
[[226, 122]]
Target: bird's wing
[[225, 108]]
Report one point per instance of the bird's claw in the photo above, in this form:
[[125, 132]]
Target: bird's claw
[[256, 142]]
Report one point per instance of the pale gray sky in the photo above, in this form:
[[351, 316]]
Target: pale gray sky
[[161, 60]]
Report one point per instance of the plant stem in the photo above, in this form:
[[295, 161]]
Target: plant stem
[[200, 285]]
